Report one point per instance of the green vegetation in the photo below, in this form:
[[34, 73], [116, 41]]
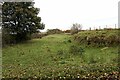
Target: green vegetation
[[55, 54], [19, 21], [98, 38], [58, 56], [54, 31]]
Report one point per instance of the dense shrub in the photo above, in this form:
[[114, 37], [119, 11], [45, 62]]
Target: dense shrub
[[7, 38], [67, 31], [11, 38], [98, 38], [54, 31]]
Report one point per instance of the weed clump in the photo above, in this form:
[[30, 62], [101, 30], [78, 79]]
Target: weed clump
[[69, 41], [60, 52], [92, 60], [62, 62], [76, 50]]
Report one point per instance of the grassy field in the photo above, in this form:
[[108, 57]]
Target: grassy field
[[52, 57]]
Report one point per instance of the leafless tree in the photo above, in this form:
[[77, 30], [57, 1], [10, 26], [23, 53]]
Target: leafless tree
[[76, 28]]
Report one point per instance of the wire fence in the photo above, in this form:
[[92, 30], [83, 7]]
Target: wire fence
[[111, 26]]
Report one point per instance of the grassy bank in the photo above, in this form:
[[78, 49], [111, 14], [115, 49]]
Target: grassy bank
[[98, 38], [51, 57]]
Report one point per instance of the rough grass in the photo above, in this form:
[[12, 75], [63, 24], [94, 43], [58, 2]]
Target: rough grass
[[101, 37], [50, 58]]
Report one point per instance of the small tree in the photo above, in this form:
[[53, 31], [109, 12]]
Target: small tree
[[75, 28], [20, 19]]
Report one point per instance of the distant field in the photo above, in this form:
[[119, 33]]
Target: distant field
[[52, 58]]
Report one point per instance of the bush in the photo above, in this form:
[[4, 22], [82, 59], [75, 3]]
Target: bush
[[98, 38], [10, 38], [7, 38], [54, 31]]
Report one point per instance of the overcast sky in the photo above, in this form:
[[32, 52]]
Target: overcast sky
[[90, 13]]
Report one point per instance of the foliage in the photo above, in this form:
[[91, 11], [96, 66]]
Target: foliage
[[20, 19], [54, 31], [38, 35], [76, 50], [60, 52], [98, 38], [67, 31], [69, 41], [75, 28], [5, 37]]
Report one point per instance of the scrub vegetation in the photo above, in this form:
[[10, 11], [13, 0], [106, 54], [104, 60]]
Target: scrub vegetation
[[60, 56]]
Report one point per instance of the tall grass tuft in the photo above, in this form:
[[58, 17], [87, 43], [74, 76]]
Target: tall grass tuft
[[76, 50]]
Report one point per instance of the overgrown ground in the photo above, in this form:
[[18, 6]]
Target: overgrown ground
[[53, 57]]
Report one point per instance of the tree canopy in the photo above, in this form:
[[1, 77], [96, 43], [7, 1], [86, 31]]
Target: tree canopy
[[20, 19]]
